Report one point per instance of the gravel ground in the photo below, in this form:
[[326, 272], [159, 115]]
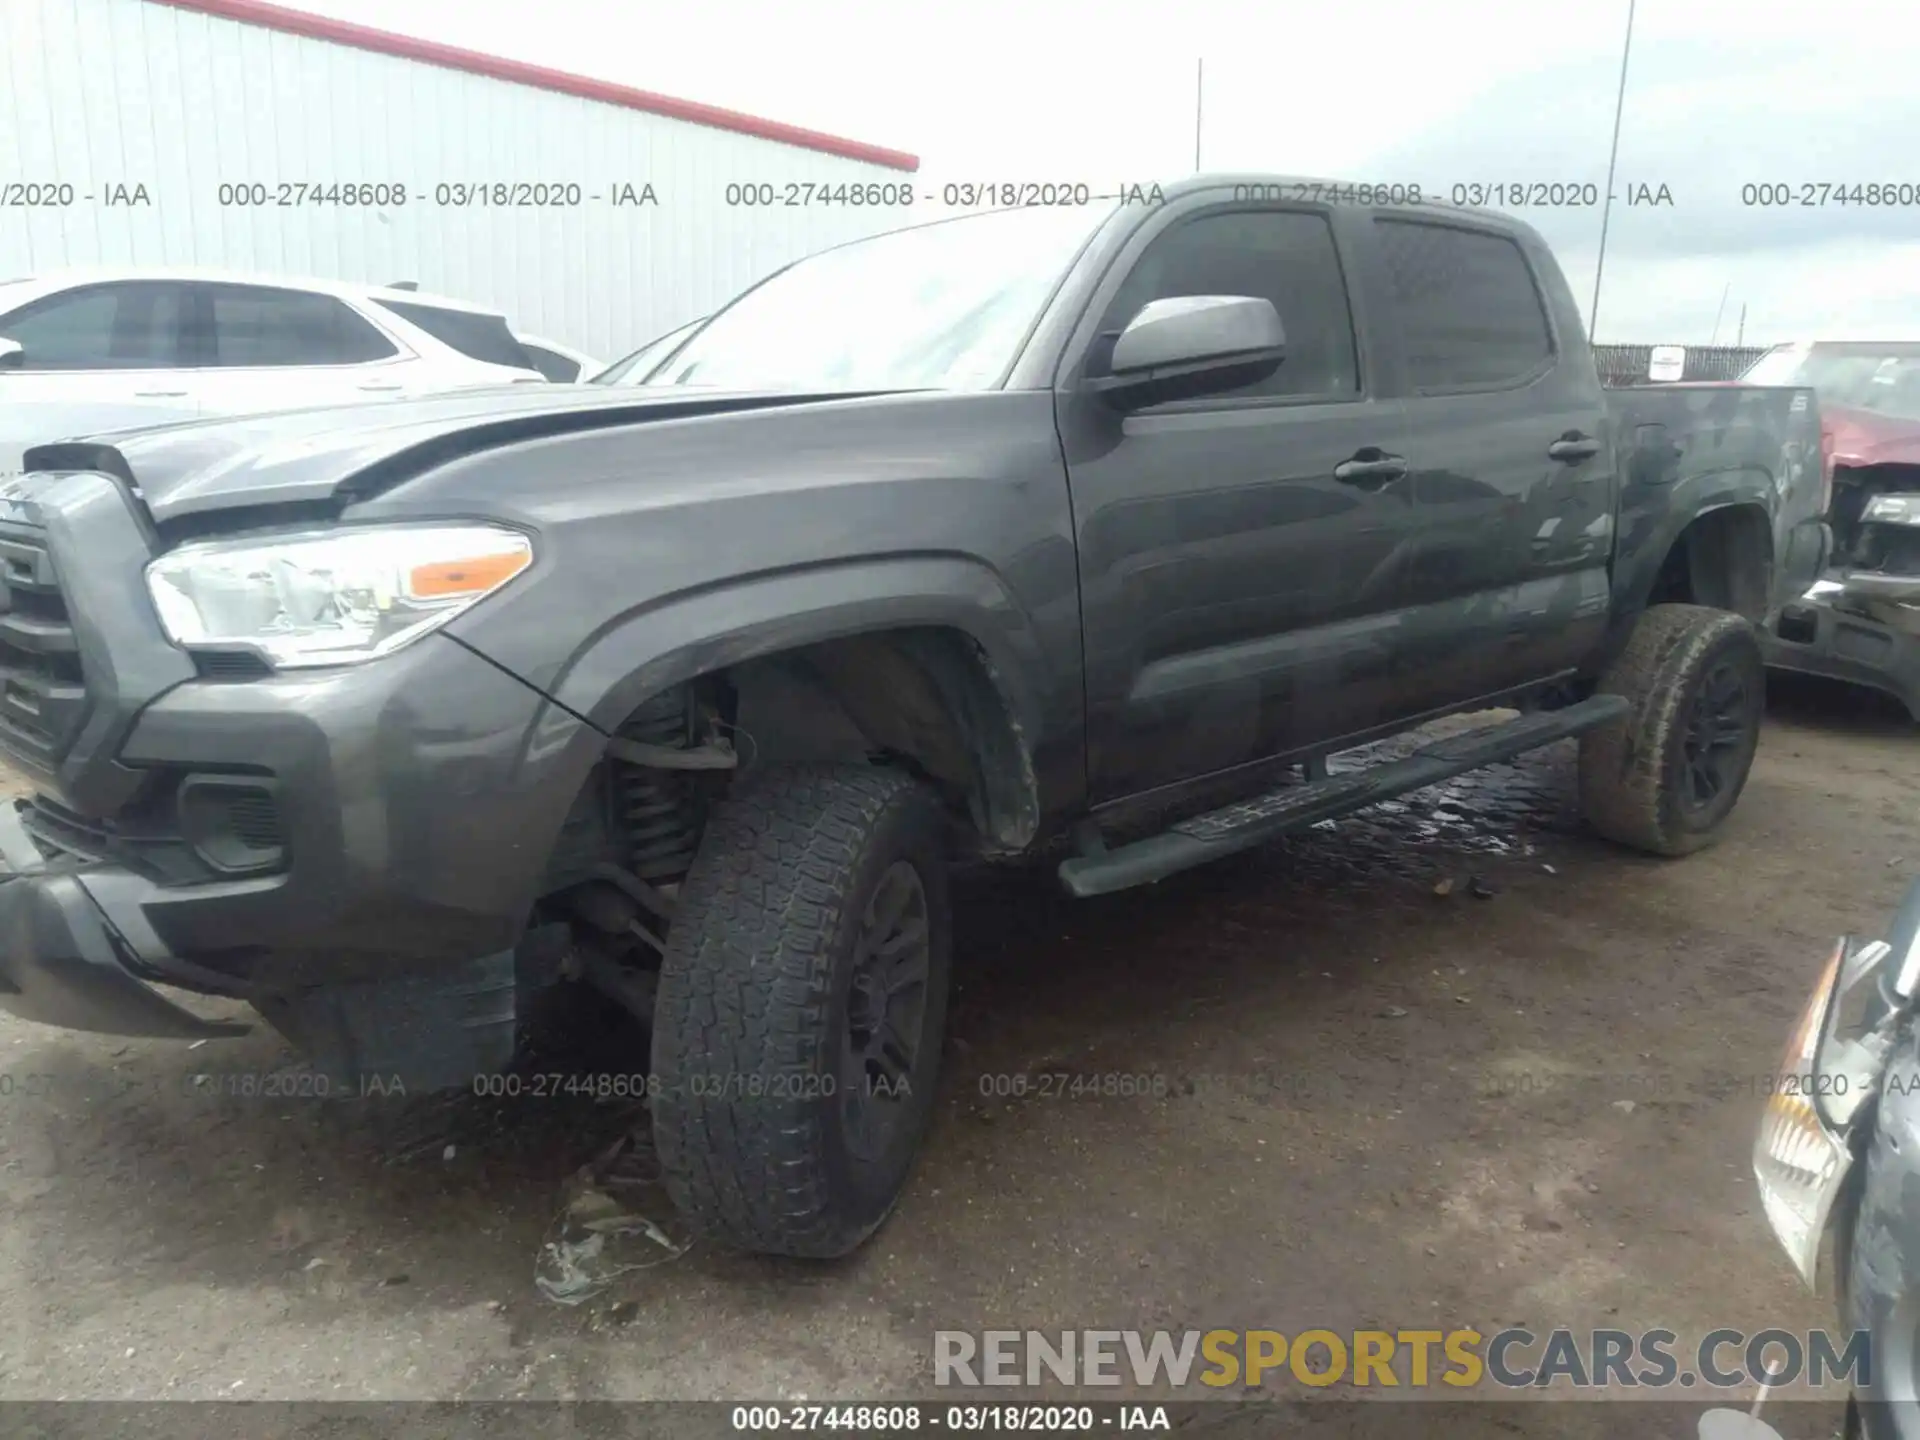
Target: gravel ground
[[1383, 1106]]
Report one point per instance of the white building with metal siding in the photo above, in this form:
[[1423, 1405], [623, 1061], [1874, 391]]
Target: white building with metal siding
[[182, 132]]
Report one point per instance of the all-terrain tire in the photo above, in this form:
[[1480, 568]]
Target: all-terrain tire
[[751, 1018], [1694, 679]]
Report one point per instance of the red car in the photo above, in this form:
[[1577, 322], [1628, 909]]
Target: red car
[[1861, 621]]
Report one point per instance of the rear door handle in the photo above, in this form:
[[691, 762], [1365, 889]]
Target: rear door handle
[[1573, 447], [1369, 467], [159, 394], [380, 388]]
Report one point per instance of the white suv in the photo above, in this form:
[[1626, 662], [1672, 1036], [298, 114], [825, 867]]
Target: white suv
[[103, 350]]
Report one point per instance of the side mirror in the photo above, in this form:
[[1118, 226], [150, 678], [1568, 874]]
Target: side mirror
[[12, 354], [1190, 345]]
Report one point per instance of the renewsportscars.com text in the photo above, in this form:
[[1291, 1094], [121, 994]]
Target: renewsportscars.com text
[[1462, 1358]]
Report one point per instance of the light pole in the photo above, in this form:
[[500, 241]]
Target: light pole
[[1199, 91], [1613, 156]]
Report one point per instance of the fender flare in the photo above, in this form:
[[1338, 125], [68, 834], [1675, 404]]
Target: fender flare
[[1640, 557], [679, 637]]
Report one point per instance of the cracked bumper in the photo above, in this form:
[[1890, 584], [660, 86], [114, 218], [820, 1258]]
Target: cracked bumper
[[62, 962]]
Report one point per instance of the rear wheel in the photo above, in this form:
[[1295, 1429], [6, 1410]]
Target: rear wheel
[[801, 1009], [1664, 777]]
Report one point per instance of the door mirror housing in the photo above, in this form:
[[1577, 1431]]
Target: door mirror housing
[[12, 354], [1189, 345]]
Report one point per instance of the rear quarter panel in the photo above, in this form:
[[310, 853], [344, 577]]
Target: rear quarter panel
[[1687, 450]]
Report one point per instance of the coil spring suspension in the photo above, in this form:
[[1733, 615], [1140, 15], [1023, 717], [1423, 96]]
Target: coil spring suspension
[[660, 811]]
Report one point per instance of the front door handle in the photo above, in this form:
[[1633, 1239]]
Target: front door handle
[[1369, 467], [159, 394], [381, 389], [1573, 447]]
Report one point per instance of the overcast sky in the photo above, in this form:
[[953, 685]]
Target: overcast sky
[[1720, 93]]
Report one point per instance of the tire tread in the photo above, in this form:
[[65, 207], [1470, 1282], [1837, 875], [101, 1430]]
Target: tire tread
[[1623, 764], [745, 989]]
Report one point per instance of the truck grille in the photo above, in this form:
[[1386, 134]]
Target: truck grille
[[43, 696], [62, 834]]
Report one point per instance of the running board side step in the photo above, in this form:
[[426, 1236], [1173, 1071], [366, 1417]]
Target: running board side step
[[1295, 807]]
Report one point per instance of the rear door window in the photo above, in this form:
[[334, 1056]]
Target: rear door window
[[257, 326], [477, 336], [1470, 315]]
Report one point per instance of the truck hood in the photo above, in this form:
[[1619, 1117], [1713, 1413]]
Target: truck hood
[[347, 452], [25, 425], [1866, 437]]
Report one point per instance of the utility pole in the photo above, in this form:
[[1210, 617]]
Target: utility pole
[[1721, 311], [1741, 338], [1199, 94], [1613, 156]]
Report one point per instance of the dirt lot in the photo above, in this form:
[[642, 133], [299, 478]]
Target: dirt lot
[[1384, 1107]]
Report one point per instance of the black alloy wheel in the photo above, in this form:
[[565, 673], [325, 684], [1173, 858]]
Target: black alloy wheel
[[1717, 743], [886, 1010]]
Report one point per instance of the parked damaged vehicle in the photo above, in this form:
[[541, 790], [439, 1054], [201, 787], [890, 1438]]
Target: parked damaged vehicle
[[1861, 622], [1837, 1159], [1107, 531]]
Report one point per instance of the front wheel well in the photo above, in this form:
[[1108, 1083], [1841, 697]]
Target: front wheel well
[[926, 701], [1723, 559], [925, 697]]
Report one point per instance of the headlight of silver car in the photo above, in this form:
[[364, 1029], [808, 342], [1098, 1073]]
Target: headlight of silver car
[[1833, 1066], [331, 597], [1798, 1159], [1893, 510]]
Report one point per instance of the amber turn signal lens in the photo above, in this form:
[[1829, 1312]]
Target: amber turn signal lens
[[447, 579], [1798, 1163], [1805, 1040]]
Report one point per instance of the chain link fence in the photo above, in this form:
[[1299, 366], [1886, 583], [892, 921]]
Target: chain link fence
[[1622, 365]]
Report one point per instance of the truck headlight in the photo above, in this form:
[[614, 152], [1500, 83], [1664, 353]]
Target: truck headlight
[[1893, 510], [331, 597]]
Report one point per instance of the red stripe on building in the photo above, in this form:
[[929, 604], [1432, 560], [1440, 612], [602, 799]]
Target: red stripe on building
[[451, 57]]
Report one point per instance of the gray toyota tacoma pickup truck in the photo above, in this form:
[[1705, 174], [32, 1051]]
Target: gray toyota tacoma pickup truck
[[1091, 534]]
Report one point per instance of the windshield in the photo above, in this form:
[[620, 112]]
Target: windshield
[[635, 368], [1881, 378], [944, 306]]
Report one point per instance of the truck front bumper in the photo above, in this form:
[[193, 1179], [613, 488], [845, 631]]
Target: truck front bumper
[[63, 963], [1861, 627], [324, 844], [416, 800]]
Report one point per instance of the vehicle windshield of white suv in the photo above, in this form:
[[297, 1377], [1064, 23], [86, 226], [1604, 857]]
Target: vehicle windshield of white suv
[[943, 306], [1883, 378]]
